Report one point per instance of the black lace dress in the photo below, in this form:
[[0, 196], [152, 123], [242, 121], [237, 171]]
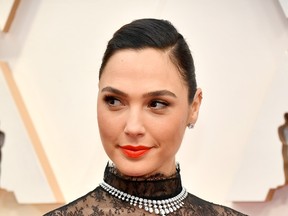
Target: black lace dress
[[100, 203]]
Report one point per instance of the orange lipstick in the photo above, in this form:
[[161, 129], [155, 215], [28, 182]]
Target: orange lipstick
[[134, 151]]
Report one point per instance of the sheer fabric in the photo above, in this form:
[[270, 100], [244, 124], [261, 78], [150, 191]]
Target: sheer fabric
[[100, 203]]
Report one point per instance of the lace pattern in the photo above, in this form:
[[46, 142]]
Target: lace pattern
[[100, 203], [156, 186]]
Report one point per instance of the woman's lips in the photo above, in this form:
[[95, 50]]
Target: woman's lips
[[134, 151]]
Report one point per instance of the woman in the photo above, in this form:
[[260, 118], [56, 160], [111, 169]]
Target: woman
[[283, 136], [147, 97]]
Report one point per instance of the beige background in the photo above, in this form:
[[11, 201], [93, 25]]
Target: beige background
[[55, 48]]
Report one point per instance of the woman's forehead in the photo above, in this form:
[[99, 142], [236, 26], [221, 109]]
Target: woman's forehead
[[144, 62], [142, 71]]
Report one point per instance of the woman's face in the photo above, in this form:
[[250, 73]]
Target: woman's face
[[143, 111]]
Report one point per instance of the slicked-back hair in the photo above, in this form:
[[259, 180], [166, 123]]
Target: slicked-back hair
[[158, 34]]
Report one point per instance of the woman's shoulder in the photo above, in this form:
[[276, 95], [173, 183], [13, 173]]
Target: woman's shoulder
[[209, 208], [77, 205]]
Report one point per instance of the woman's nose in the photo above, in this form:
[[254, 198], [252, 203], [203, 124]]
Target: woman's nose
[[134, 124]]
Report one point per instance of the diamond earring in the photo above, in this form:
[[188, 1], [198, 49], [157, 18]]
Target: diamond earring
[[190, 125]]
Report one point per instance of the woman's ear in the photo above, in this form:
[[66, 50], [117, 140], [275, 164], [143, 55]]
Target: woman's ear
[[195, 107]]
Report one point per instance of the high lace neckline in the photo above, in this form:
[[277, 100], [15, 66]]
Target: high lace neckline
[[156, 186]]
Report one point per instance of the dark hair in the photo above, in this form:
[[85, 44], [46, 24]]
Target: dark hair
[[158, 34]]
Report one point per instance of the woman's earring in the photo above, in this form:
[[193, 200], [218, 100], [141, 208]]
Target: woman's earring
[[190, 125]]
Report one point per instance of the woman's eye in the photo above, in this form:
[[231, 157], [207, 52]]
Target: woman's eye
[[158, 104], [112, 101]]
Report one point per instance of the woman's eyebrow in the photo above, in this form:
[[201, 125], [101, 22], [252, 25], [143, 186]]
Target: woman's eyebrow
[[160, 93], [114, 91], [148, 94]]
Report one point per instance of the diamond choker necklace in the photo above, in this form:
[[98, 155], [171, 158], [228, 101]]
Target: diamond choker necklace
[[162, 207]]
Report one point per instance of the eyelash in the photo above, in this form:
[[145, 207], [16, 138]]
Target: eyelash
[[109, 98], [163, 104]]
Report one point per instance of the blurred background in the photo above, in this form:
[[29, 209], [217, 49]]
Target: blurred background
[[52, 52]]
